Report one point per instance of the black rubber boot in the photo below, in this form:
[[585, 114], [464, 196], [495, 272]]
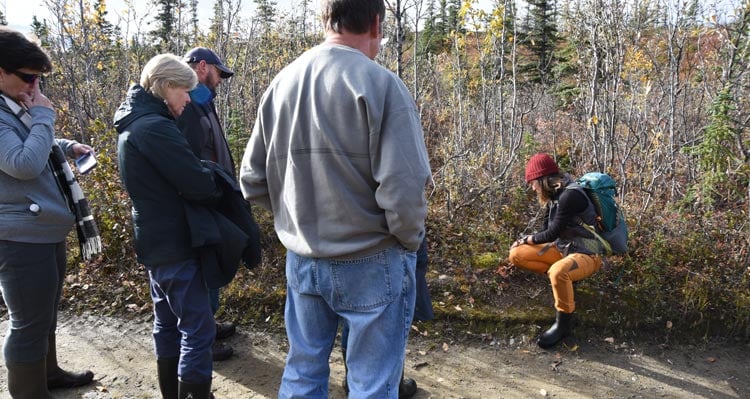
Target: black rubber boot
[[59, 378], [167, 371], [407, 387], [558, 331], [221, 351], [195, 391], [26, 380], [225, 330]]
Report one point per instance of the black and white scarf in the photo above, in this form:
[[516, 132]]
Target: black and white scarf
[[88, 234]]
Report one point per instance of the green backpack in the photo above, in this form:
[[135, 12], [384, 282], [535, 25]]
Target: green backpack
[[610, 228]]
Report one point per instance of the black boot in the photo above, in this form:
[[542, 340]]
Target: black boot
[[225, 330], [557, 332], [407, 387], [26, 380], [221, 351], [59, 378], [195, 391], [167, 371]]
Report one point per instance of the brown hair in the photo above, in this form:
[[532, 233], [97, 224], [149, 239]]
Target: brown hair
[[19, 52], [549, 184], [356, 16]]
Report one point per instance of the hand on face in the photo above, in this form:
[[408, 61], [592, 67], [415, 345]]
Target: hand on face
[[29, 94]]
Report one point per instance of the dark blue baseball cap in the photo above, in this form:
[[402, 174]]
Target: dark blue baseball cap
[[199, 54]]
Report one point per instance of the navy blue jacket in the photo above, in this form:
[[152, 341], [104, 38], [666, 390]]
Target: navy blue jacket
[[224, 232], [162, 175]]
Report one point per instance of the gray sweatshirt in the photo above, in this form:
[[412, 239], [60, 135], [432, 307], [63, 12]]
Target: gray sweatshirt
[[32, 206], [337, 154]]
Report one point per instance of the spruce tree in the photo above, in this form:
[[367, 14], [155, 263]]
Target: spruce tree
[[539, 35]]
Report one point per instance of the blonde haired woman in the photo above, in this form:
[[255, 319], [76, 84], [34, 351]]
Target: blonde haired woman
[[563, 250], [162, 175]]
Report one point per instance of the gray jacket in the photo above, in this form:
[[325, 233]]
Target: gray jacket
[[32, 206]]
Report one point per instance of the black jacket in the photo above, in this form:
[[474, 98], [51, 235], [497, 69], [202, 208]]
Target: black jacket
[[206, 138], [161, 175], [225, 232]]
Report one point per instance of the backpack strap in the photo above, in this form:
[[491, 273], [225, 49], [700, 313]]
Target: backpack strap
[[591, 229]]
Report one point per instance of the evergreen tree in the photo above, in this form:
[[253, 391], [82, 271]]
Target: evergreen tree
[[539, 35], [194, 18], [265, 11], [165, 20], [41, 30], [104, 27], [451, 10], [216, 31], [433, 37]]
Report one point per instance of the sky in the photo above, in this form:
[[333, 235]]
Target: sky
[[19, 13]]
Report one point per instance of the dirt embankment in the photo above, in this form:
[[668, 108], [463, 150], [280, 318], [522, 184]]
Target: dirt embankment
[[120, 353]]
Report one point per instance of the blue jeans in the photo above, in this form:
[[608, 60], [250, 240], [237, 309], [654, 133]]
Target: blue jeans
[[184, 325], [374, 295], [422, 305], [31, 277]]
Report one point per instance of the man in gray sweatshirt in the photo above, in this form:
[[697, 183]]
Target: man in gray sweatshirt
[[337, 155]]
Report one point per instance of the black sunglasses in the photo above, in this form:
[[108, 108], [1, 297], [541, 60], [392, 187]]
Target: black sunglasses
[[27, 77]]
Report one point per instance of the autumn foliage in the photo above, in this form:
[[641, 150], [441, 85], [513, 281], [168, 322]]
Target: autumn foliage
[[656, 97]]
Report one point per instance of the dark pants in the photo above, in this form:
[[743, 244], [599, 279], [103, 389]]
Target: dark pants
[[184, 325], [31, 277], [213, 299]]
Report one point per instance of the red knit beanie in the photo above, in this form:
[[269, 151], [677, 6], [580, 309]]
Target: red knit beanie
[[540, 165]]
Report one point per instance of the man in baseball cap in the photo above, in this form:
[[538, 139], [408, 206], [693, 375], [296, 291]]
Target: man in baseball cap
[[200, 124], [199, 54]]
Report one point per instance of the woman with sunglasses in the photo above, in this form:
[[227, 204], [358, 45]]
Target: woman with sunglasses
[[36, 214]]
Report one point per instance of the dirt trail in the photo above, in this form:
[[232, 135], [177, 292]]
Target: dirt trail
[[119, 351]]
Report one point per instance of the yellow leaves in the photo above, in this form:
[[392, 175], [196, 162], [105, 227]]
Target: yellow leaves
[[466, 7], [594, 120]]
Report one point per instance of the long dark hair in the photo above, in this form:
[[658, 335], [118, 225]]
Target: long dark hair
[[550, 185]]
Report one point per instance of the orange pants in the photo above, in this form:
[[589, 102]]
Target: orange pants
[[562, 271]]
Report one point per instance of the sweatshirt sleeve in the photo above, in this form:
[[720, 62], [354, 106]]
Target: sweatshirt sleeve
[[26, 159], [253, 182], [401, 168], [67, 146]]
